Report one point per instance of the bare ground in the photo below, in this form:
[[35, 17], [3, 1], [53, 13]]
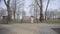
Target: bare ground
[[28, 28]]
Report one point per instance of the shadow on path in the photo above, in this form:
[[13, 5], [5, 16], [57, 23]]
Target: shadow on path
[[4, 30], [57, 30]]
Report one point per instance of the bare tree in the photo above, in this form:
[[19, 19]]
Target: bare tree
[[23, 1], [46, 9], [23, 13], [13, 6], [35, 10], [19, 8], [18, 14], [7, 3], [1, 12], [41, 9], [32, 9]]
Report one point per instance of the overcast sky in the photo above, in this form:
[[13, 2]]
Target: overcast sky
[[54, 4]]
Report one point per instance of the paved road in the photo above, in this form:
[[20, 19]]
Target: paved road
[[30, 29]]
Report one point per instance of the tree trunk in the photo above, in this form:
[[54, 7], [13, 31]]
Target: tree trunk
[[14, 15], [41, 10], [15, 10], [9, 14], [46, 9], [8, 9]]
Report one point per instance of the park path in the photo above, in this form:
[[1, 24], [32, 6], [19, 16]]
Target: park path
[[29, 28]]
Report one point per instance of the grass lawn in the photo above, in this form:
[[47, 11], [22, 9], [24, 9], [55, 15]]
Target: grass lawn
[[35, 21], [52, 21]]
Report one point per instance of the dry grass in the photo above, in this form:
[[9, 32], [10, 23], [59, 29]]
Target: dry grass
[[35, 21]]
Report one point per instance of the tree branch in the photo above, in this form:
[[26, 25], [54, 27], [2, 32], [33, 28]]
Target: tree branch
[[8, 2], [47, 5], [5, 2], [46, 8], [37, 3]]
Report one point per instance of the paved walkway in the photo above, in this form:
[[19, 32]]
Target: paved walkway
[[29, 29]]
